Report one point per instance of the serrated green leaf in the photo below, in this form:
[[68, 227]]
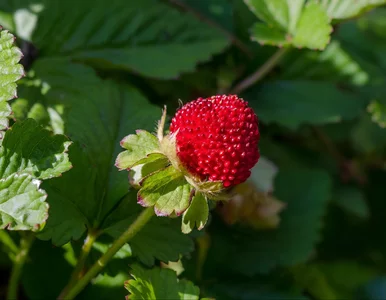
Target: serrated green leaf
[[138, 146], [138, 37], [345, 9], [96, 114], [160, 239], [295, 23], [28, 152], [306, 193], [159, 283], [28, 148], [10, 72], [292, 103], [196, 215], [167, 190], [22, 203]]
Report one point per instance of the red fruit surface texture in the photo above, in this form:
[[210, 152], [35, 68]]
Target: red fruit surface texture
[[217, 138]]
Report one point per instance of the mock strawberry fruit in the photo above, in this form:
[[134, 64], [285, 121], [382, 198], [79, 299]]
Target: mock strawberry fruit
[[217, 138]]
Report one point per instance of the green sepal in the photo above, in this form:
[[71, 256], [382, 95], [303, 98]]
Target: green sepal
[[196, 215], [138, 146], [152, 163], [167, 190]]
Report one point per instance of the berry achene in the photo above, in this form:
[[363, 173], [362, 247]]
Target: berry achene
[[217, 138]]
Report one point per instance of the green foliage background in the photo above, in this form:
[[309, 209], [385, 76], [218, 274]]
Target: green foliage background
[[99, 70]]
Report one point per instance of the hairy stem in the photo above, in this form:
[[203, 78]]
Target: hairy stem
[[77, 273], [133, 229], [25, 245], [260, 73]]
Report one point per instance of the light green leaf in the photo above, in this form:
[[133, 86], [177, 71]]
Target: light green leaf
[[28, 148], [160, 239], [167, 190], [352, 200], [138, 146], [10, 72], [138, 37], [159, 283], [306, 193], [22, 203], [345, 9], [196, 215], [295, 23], [28, 152], [292, 103], [106, 286]]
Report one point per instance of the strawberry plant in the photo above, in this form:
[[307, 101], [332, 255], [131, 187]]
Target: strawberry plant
[[192, 149]]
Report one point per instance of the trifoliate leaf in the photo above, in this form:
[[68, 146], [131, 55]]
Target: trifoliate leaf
[[295, 23], [167, 190], [10, 72], [345, 9], [138, 146], [138, 37], [159, 283], [22, 203], [160, 239], [196, 215], [28, 152]]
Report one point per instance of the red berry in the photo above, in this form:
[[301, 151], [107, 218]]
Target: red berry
[[217, 138]]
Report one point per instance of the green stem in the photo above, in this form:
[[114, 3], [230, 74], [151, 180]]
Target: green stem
[[77, 273], [20, 259], [260, 73], [7, 241], [133, 229]]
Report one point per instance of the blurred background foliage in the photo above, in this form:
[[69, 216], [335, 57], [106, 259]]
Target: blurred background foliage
[[310, 223]]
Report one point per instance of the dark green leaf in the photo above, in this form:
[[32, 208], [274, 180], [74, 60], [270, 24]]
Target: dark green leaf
[[160, 239], [353, 201], [292, 103], [306, 193], [138, 37], [96, 114]]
